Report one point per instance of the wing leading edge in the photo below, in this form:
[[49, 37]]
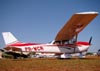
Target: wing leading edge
[[77, 23]]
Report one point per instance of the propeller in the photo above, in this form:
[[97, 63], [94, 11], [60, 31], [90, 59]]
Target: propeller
[[90, 40]]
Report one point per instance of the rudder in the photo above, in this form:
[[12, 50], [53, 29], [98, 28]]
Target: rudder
[[9, 38]]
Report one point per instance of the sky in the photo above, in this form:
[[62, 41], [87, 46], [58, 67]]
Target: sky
[[40, 20]]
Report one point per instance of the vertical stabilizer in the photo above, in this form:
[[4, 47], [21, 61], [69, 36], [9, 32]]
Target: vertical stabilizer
[[9, 38]]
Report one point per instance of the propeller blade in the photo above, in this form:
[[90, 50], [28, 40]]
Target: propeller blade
[[90, 40]]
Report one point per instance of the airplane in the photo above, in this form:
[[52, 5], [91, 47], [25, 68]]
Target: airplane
[[65, 42], [98, 53]]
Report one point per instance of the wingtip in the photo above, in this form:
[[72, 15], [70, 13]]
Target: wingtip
[[90, 12]]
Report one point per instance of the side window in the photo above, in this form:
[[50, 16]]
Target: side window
[[57, 42]]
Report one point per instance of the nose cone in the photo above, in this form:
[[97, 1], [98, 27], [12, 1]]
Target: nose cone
[[83, 46]]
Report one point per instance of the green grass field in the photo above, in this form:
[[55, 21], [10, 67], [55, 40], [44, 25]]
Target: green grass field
[[50, 64]]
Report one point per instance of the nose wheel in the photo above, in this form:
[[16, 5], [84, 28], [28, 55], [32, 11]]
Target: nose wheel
[[81, 55], [65, 56]]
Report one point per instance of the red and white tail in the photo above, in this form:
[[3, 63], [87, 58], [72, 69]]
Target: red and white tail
[[9, 38]]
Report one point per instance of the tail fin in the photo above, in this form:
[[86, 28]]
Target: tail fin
[[9, 38]]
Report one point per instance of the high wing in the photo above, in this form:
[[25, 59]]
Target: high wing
[[76, 24]]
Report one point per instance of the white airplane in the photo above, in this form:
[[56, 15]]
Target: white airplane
[[64, 44]]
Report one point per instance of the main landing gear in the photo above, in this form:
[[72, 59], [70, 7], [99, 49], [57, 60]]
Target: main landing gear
[[69, 56]]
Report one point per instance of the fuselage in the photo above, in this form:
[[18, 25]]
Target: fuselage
[[50, 48]]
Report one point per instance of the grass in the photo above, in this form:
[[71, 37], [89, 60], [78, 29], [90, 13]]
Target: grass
[[50, 64]]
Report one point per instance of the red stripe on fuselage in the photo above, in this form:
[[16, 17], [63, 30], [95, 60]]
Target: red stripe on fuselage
[[72, 45], [23, 44]]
